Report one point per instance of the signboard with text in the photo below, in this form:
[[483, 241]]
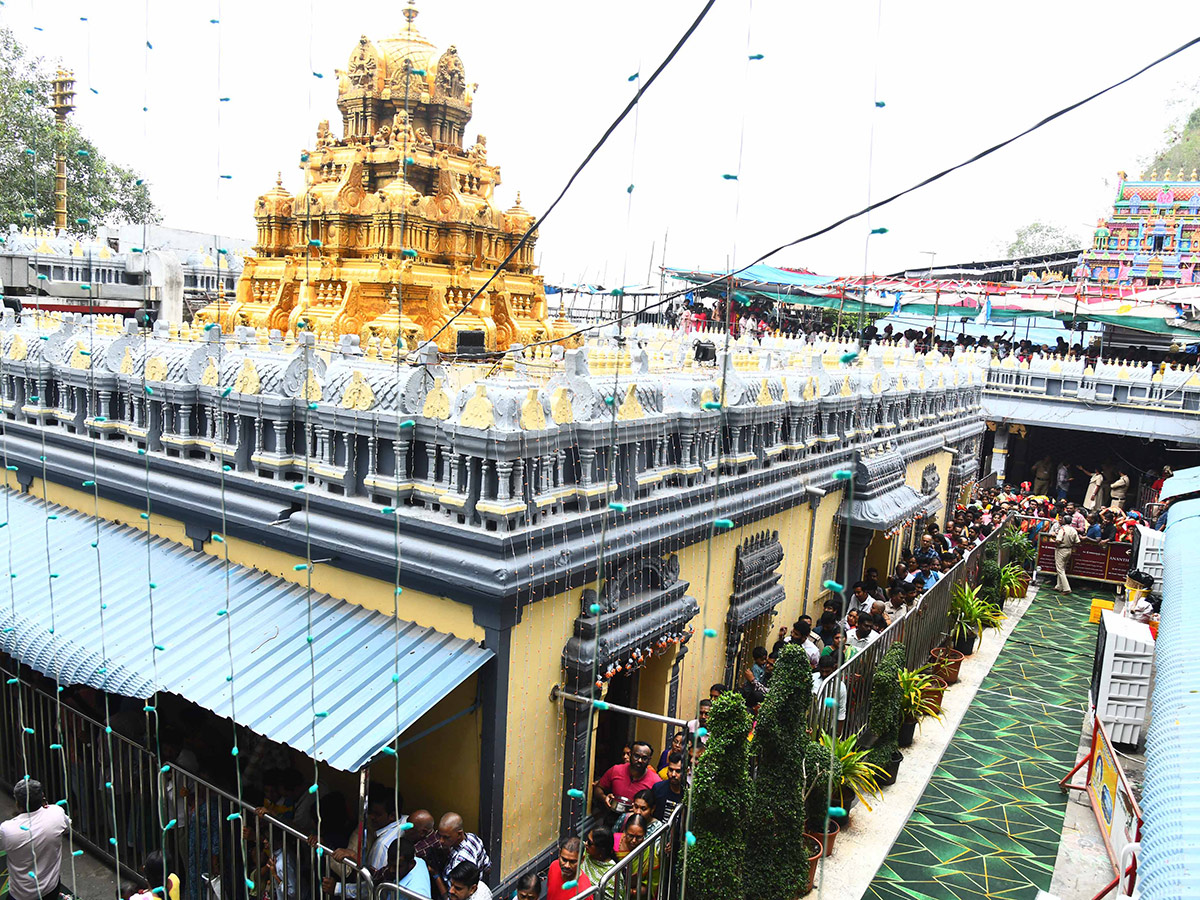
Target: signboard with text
[[1093, 560]]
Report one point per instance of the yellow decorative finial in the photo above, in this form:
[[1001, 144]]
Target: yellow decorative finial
[[279, 179], [411, 12]]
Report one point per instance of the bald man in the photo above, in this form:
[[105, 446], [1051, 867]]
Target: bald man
[[426, 841], [459, 846]]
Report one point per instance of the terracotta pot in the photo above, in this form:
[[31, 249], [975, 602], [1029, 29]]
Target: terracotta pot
[[946, 663], [908, 728], [824, 838], [813, 849], [935, 691]]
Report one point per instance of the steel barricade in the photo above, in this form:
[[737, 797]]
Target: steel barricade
[[652, 871]]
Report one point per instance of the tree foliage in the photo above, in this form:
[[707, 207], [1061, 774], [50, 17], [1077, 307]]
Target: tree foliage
[[779, 866], [98, 189], [1182, 153], [1040, 238], [721, 804], [883, 717]]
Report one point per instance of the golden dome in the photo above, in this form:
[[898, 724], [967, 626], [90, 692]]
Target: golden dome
[[407, 45]]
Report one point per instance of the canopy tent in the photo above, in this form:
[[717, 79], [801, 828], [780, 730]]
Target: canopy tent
[[66, 636], [1156, 310]]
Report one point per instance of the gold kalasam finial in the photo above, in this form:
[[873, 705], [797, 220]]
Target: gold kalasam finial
[[278, 179], [518, 198], [411, 12]]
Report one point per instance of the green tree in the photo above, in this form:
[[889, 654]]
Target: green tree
[[1182, 153], [883, 717], [98, 189], [1039, 238], [721, 804], [779, 865]]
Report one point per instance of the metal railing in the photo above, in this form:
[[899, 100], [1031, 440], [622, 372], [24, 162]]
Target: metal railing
[[124, 804], [654, 869], [925, 626]]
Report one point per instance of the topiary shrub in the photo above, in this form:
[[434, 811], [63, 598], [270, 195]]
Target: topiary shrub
[[778, 866], [721, 804], [884, 717]]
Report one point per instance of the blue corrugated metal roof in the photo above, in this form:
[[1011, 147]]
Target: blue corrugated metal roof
[[354, 648], [1185, 481], [1169, 861]]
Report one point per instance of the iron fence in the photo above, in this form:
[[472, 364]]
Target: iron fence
[[125, 805], [925, 626], [654, 869]]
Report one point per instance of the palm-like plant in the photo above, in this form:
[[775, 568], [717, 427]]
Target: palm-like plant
[[1013, 580], [915, 703], [851, 771], [1016, 544], [971, 612]]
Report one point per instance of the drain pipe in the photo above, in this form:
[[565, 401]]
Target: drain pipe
[[818, 493]]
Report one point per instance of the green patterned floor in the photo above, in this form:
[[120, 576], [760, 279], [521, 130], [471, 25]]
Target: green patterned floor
[[988, 824]]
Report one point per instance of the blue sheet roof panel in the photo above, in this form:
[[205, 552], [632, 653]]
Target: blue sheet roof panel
[[85, 629]]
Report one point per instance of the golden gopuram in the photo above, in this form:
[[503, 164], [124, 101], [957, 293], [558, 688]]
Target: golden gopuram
[[397, 227]]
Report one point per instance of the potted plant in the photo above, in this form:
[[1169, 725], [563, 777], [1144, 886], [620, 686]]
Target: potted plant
[[946, 661], [964, 603], [721, 796], [1017, 546], [777, 811], [854, 777], [935, 690], [813, 850], [883, 715], [915, 704], [1014, 581]]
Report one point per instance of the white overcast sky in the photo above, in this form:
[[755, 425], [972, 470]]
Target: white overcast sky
[[955, 77]]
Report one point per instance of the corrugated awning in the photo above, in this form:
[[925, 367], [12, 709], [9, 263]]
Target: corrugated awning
[[887, 510], [354, 650]]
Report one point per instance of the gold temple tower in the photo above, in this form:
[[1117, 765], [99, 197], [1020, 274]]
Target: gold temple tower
[[397, 227]]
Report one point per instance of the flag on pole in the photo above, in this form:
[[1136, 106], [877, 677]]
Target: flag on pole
[[985, 315], [896, 305]]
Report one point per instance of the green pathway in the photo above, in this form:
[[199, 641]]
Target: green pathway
[[989, 821]]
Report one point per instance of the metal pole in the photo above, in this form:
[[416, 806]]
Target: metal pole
[[557, 693]]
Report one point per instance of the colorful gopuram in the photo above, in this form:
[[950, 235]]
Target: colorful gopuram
[[397, 228], [1153, 234]]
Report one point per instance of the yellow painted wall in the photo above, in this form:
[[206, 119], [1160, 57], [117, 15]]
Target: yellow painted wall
[[430, 611], [536, 728], [912, 476], [440, 772]]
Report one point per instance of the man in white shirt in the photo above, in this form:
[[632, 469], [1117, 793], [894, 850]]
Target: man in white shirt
[[465, 883], [862, 636], [820, 678], [32, 840]]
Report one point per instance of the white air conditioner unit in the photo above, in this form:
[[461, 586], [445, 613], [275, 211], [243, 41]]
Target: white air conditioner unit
[[1120, 690], [1147, 555]]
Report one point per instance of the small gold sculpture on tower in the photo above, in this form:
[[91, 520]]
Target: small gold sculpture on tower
[[396, 229]]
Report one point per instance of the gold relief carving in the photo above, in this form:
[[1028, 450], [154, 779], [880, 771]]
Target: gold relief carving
[[877, 383], [900, 386], [127, 362], [533, 416], [478, 413], [764, 395], [18, 349], [631, 407], [437, 402], [845, 391], [561, 409], [211, 374], [921, 381], [358, 394], [80, 358], [810, 389], [941, 380], [247, 379], [156, 369], [312, 387]]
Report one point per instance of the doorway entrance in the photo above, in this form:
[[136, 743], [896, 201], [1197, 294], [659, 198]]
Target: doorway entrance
[[614, 730]]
